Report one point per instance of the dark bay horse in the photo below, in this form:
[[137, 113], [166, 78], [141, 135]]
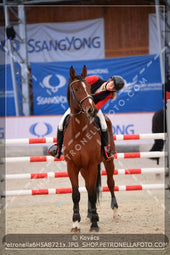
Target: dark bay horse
[[82, 148]]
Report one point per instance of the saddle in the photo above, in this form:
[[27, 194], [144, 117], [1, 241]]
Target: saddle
[[96, 123]]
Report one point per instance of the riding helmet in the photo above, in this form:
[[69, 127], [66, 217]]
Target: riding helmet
[[118, 81]]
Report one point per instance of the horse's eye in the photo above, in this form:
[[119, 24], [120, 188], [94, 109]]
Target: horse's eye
[[76, 89]]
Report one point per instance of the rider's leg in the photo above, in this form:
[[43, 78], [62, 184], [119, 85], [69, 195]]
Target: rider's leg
[[104, 136], [55, 150], [61, 123], [104, 131]]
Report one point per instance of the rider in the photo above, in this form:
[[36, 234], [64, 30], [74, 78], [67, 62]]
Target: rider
[[101, 91]]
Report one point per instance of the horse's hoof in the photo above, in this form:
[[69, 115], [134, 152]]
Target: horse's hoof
[[94, 229], [75, 230], [116, 218]]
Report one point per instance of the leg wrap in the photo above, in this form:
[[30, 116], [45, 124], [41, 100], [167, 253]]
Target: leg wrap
[[95, 216], [76, 199], [76, 217], [114, 202]]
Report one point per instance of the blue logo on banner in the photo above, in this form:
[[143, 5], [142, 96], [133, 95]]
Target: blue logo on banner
[[33, 129], [49, 80]]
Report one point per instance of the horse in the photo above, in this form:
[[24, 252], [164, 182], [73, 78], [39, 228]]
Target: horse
[[82, 148]]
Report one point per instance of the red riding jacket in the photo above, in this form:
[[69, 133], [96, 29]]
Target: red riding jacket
[[100, 98]]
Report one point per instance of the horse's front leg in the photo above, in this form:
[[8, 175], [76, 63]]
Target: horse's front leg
[[109, 166], [76, 214], [92, 197], [73, 175], [98, 184]]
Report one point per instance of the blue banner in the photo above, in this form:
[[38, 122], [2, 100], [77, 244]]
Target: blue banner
[[142, 92], [7, 94]]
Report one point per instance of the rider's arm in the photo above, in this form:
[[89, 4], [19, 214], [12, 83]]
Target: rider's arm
[[92, 79], [102, 102], [95, 82]]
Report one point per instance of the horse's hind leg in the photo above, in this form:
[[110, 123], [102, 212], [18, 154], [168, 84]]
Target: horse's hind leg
[[73, 175], [109, 166]]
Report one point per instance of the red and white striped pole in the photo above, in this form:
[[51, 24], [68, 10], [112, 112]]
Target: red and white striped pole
[[162, 136], [126, 155], [82, 189], [65, 174]]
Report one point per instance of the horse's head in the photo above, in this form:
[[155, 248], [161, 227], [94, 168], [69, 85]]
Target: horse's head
[[79, 94]]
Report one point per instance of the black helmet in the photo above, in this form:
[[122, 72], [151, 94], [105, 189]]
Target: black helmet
[[118, 81]]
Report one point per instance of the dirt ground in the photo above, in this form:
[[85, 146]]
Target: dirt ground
[[141, 212]]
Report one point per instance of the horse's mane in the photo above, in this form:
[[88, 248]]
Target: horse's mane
[[79, 77]]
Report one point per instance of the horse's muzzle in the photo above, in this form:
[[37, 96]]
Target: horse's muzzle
[[91, 113]]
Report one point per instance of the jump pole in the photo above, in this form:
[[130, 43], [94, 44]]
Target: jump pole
[[82, 189], [44, 140], [65, 174], [126, 155]]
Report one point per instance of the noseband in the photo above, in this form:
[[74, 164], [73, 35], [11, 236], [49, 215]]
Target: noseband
[[74, 96]]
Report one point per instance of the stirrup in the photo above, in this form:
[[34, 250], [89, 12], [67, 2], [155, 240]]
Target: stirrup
[[108, 154], [55, 151]]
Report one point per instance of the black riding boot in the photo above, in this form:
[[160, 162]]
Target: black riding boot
[[55, 150], [104, 138], [105, 146]]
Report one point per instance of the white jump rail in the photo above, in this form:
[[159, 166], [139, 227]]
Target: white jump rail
[[126, 155], [44, 140], [158, 170], [83, 189]]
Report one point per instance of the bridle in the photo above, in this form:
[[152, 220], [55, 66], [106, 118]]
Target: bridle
[[74, 96]]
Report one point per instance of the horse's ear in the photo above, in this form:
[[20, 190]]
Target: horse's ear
[[72, 72], [84, 72]]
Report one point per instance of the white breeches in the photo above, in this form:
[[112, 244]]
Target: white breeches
[[60, 126], [99, 114], [102, 120]]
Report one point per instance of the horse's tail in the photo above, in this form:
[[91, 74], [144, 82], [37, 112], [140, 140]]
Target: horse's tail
[[98, 184]]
